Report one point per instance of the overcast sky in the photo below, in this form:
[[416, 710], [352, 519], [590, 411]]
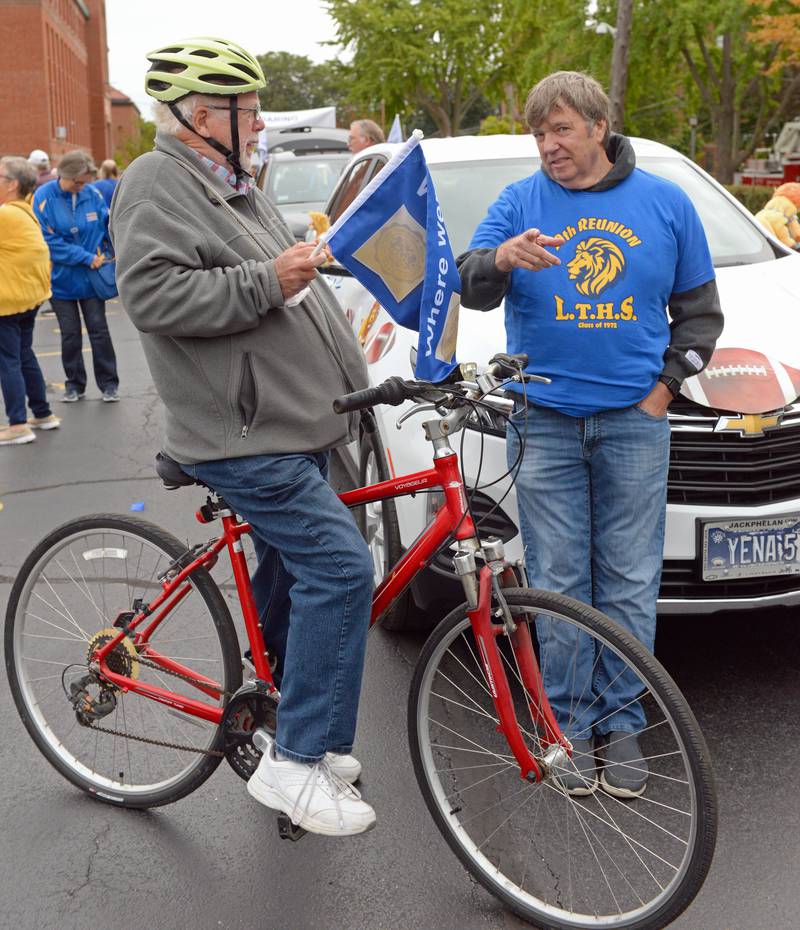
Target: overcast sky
[[134, 29]]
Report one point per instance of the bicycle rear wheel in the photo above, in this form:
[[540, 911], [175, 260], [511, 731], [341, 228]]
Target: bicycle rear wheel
[[557, 860], [68, 593]]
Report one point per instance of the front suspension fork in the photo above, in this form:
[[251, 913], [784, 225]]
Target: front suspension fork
[[486, 634]]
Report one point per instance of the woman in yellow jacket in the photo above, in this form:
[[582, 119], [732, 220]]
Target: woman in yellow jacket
[[24, 284]]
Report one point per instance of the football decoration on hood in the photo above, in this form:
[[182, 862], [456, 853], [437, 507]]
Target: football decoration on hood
[[743, 381]]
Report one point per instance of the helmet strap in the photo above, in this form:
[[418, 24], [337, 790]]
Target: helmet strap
[[232, 157]]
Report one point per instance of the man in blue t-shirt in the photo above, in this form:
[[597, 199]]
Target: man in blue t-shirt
[[588, 306]]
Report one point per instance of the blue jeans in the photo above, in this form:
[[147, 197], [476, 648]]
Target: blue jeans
[[313, 590], [592, 501], [20, 374], [104, 360]]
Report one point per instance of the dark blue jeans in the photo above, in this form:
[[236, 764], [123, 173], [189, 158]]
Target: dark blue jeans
[[103, 358], [313, 591], [592, 497], [20, 374]]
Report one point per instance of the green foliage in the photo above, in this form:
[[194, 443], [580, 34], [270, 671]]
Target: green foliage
[[722, 69], [137, 145], [439, 56], [496, 125], [294, 82], [753, 196]]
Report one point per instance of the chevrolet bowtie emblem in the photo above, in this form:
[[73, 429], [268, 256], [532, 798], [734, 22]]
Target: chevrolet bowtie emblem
[[749, 424]]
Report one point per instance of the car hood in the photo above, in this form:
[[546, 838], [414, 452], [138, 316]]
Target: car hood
[[760, 302]]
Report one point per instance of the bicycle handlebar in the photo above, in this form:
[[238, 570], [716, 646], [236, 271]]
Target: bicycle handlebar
[[395, 390]]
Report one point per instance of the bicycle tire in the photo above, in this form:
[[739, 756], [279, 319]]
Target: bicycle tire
[[59, 603], [467, 808]]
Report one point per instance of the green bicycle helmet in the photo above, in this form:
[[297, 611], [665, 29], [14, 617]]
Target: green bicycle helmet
[[204, 65]]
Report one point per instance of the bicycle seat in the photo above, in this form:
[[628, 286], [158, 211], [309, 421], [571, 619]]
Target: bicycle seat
[[171, 473]]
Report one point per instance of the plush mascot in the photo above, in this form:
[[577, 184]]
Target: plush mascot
[[779, 214]]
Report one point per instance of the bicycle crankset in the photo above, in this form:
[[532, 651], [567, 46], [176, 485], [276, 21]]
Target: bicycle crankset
[[251, 708]]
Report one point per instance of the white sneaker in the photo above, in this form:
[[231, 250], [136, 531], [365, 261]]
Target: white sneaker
[[313, 796], [48, 422], [347, 767], [16, 435]]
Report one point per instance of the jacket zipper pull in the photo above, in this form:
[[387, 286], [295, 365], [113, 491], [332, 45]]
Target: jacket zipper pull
[[245, 430]]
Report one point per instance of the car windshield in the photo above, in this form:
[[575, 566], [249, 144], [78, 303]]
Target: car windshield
[[304, 179], [731, 238]]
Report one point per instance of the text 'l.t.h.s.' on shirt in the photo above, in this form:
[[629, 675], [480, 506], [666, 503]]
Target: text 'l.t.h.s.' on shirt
[[597, 324]]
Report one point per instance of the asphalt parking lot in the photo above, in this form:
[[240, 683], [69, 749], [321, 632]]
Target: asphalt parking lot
[[215, 860]]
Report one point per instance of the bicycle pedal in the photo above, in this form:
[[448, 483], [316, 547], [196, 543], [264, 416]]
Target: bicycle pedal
[[288, 830]]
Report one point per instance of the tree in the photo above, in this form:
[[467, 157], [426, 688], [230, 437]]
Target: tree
[[619, 63], [294, 82], [439, 56], [137, 144], [742, 72]]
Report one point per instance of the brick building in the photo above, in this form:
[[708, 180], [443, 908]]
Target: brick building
[[124, 119], [54, 91]]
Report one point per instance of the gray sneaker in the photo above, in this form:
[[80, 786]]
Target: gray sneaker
[[110, 396], [579, 775], [624, 770], [71, 396]]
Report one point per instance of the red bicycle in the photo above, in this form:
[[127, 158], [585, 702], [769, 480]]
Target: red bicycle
[[125, 666]]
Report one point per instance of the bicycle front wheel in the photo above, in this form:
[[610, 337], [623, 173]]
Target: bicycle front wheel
[[64, 602], [558, 860]]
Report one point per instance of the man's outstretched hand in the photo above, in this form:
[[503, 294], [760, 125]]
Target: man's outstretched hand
[[528, 251], [295, 267]]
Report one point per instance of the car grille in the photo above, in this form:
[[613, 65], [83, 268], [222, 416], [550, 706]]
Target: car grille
[[680, 580], [728, 469], [714, 468]]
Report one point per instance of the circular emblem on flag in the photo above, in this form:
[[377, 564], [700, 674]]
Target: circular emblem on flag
[[396, 253]]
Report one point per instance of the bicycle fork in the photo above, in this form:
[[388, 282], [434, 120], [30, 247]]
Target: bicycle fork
[[479, 587]]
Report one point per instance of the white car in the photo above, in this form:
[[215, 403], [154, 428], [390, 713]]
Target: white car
[[733, 518]]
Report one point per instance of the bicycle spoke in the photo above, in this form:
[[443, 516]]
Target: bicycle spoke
[[595, 858]]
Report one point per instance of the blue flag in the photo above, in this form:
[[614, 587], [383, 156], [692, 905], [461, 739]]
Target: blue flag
[[393, 239]]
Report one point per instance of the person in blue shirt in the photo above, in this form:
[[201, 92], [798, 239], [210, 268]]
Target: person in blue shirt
[[107, 180], [74, 220], [588, 305]]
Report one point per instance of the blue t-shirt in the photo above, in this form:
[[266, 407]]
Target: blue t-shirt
[[597, 324]]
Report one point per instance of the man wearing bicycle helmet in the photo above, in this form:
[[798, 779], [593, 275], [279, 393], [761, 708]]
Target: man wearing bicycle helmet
[[206, 269], [592, 486]]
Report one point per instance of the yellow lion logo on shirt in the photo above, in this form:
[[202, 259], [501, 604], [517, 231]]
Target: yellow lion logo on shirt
[[597, 263]]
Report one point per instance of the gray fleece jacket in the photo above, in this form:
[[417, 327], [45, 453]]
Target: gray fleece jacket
[[238, 372], [695, 315]]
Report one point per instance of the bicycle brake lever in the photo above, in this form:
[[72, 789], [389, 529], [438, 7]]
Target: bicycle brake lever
[[526, 377], [417, 408]]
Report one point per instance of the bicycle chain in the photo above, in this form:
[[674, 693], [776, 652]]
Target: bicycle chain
[[216, 753]]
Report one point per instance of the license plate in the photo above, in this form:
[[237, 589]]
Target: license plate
[[751, 548]]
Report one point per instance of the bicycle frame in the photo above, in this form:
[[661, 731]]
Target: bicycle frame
[[452, 519]]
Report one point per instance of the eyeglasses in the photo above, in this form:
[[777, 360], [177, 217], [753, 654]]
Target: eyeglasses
[[255, 112]]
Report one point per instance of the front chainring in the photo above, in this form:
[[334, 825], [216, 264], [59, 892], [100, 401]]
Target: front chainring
[[251, 708]]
